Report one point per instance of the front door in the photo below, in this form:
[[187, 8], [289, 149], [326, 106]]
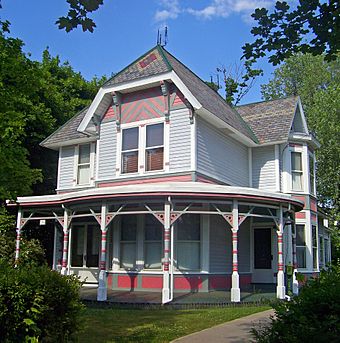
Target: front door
[[263, 256]]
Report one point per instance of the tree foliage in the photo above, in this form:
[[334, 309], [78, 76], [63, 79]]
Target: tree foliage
[[78, 15], [317, 82], [35, 99], [312, 316], [311, 27]]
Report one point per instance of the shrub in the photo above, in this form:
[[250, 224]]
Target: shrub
[[312, 316], [37, 304]]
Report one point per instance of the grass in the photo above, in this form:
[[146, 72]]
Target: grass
[[139, 325]]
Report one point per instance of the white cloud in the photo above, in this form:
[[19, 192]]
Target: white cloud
[[171, 10], [216, 8]]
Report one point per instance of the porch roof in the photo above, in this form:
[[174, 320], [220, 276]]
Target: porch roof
[[196, 190]]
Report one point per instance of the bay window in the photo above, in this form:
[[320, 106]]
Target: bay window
[[301, 246], [84, 164], [188, 242], [315, 247], [152, 243], [128, 238], [85, 242], [311, 174], [296, 168]]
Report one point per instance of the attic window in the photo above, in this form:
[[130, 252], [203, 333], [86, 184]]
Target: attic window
[[83, 175]]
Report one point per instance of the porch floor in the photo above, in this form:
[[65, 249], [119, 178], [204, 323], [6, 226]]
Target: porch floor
[[212, 297]]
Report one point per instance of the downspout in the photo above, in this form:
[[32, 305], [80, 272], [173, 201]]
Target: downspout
[[171, 295]]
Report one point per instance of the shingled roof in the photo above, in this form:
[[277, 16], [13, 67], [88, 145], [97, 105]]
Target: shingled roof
[[271, 121], [66, 132]]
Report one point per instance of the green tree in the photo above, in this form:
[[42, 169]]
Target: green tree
[[35, 99], [317, 83], [311, 27]]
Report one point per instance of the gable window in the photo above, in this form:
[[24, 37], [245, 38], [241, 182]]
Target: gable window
[[188, 242], [296, 167], [130, 150], [311, 174], [84, 163], [301, 246], [154, 149]]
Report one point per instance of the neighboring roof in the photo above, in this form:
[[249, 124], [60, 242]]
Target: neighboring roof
[[158, 61], [66, 132], [271, 121]]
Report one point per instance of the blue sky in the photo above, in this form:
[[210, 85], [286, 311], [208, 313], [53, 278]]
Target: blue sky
[[203, 34]]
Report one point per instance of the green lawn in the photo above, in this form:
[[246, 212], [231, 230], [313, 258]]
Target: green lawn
[[135, 325]]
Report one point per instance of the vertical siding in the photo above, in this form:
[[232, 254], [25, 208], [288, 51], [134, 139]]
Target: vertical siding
[[66, 167], [107, 151], [264, 168], [220, 246], [180, 141], [220, 156]]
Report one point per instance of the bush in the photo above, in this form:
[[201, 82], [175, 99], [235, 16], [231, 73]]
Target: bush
[[37, 304], [312, 316]]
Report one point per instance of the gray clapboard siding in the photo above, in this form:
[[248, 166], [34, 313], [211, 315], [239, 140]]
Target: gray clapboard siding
[[264, 168], [66, 168], [220, 156], [180, 141], [220, 246], [244, 247], [107, 151]]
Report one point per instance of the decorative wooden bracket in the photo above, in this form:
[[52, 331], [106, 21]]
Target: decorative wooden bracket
[[229, 219], [165, 88], [241, 219], [108, 218], [116, 104], [23, 221], [61, 220], [191, 110]]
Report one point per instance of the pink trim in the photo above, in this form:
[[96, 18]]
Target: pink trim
[[110, 113], [191, 282], [313, 205], [152, 282], [300, 215], [220, 282], [183, 178], [127, 281], [314, 218], [205, 180], [295, 145], [109, 281], [245, 280]]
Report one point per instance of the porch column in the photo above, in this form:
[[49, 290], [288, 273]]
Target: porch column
[[280, 289], [235, 279], [166, 274], [66, 231], [18, 237], [102, 284], [295, 282]]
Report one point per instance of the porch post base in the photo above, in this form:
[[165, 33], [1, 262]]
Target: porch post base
[[102, 289], [295, 283], [280, 289], [166, 289], [63, 271], [235, 295]]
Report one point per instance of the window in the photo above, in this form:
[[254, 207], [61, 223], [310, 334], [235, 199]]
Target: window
[[315, 247], [130, 150], [188, 242], [142, 145], [311, 174], [128, 235], [296, 164], [152, 243], [154, 150], [83, 172], [85, 246], [322, 251], [301, 246]]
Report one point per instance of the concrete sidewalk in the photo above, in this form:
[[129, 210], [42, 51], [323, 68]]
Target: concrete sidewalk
[[235, 331]]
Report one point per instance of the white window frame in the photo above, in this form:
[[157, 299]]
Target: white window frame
[[311, 172], [302, 246], [141, 125], [91, 164], [304, 165]]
